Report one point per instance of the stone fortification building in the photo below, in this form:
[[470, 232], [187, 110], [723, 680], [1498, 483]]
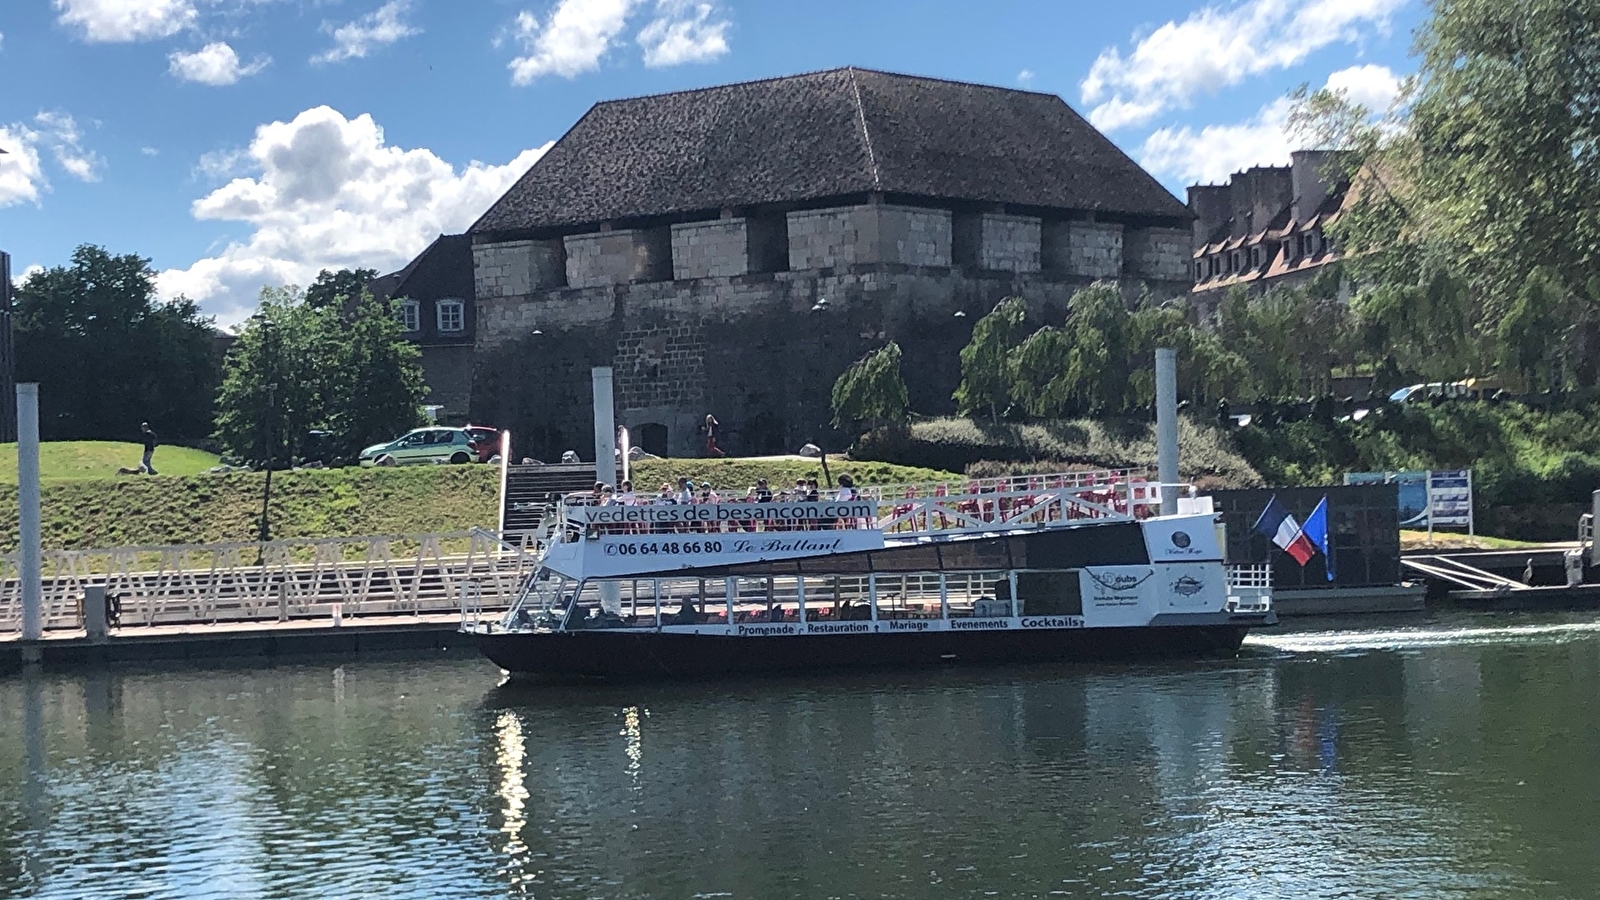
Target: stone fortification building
[[731, 250], [1267, 225]]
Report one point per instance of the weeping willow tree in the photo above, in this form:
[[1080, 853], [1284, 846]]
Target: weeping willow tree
[[985, 368], [871, 392]]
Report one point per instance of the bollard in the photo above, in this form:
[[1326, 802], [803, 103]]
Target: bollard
[[338, 613], [283, 602], [95, 619]]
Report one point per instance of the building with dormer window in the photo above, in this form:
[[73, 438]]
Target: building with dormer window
[[1266, 226]]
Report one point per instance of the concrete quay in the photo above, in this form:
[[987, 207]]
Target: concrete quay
[[249, 642]]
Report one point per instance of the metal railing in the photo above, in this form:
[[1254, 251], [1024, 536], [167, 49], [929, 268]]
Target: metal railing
[[1249, 588], [968, 506], [278, 580]]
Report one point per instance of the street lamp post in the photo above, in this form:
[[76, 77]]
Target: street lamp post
[[269, 368]]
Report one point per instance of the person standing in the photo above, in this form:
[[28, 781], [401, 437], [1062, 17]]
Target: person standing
[[712, 428], [145, 466]]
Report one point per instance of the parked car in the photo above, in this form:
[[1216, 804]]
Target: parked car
[[486, 438], [423, 445]]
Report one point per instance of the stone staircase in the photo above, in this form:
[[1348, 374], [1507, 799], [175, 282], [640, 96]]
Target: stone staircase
[[532, 490]]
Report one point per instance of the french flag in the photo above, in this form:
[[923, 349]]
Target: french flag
[[1277, 524]]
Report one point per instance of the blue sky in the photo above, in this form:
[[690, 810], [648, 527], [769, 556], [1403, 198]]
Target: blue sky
[[246, 142]]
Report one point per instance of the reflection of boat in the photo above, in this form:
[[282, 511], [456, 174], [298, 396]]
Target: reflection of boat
[[1040, 567]]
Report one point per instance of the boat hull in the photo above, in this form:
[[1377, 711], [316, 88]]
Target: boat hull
[[620, 654]]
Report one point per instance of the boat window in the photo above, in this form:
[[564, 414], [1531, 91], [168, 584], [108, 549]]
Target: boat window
[[694, 601], [972, 555], [980, 595], [1118, 544], [766, 600], [837, 598], [922, 558], [844, 563], [612, 604], [1049, 593], [908, 596]]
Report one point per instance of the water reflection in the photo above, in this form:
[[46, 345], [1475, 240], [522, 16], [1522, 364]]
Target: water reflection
[[1427, 769], [513, 795]]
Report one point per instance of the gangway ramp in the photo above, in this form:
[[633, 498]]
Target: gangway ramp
[[1456, 572]]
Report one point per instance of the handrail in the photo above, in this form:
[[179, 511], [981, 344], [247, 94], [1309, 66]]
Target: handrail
[[288, 579]]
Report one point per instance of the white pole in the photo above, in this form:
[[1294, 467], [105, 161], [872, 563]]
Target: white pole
[[625, 444], [605, 427], [28, 518], [1428, 499], [1167, 428], [505, 464]]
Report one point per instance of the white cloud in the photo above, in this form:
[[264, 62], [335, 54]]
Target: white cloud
[[328, 192], [1216, 47], [149, 151], [683, 32], [21, 176], [572, 41], [27, 272], [354, 40], [1025, 77], [1214, 152], [60, 132], [1374, 87], [117, 21], [214, 64]]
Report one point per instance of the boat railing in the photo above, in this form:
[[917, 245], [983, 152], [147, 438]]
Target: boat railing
[[932, 508], [1249, 587]]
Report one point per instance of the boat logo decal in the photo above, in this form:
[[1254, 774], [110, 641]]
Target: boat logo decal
[[1180, 539], [1187, 586], [1119, 582]]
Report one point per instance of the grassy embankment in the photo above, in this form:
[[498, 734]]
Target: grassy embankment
[[82, 511], [980, 449]]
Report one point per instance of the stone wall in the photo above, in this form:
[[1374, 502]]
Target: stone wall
[[1009, 243], [517, 267], [619, 257], [710, 249], [447, 370], [1161, 254], [1075, 249], [746, 348], [870, 233]]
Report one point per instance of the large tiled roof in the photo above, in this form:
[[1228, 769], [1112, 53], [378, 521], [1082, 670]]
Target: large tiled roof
[[826, 134]]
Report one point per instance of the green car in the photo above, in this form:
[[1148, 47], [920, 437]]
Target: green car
[[422, 445]]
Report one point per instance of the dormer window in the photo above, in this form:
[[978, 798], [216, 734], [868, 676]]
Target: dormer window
[[452, 316], [409, 314]]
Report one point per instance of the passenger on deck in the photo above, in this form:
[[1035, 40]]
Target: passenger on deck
[[626, 496], [686, 614], [763, 493], [812, 493], [847, 488]]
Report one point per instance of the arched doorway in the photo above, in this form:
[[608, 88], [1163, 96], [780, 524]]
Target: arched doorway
[[651, 437]]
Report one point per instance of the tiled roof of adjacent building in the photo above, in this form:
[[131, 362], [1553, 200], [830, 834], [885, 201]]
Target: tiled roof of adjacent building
[[826, 134], [444, 267]]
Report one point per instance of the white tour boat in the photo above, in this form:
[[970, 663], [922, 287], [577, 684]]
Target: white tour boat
[[1041, 567]]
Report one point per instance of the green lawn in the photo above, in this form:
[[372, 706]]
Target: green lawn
[[101, 459]]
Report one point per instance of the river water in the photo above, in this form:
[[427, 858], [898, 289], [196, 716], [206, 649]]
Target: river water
[[1455, 757]]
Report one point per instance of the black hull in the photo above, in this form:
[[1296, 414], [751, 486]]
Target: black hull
[[616, 654]]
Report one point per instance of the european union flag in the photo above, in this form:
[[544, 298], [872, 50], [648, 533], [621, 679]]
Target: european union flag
[[1316, 530]]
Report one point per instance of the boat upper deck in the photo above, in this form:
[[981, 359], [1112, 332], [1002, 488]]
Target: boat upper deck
[[899, 512]]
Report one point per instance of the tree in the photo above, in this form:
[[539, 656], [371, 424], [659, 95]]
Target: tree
[[107, 354], [295, 367], [871, 391], [338, 289], [1040, 381], [1488, 172], [1097, 365], [985, 373]]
